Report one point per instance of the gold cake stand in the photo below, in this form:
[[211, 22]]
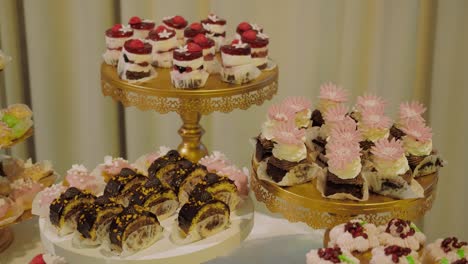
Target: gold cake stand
[[159, 95], [304, 203]]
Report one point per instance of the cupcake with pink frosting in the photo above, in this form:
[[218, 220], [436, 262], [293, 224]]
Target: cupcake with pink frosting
[[331, 255], [448, 250], [394, 254], [409, 112], [391, 175], [354, 236], [401, 233], [111, 167], [374, 125], [44, 198], [330, 95], [368, 102], [23, 192], [288, 164], [144, 162], [301, 107], [79, 176]]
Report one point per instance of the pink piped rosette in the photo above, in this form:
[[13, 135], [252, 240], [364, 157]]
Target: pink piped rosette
[[401, 233], [345, 131], [44, 198], [78, 176], [331, 95], [302, 110], [368, 102], [277, 114], [144, 162], [374, 124]]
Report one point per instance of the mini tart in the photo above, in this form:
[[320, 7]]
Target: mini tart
[[448, 250], [93, 222], [63, 210], [133, 229], [394, 254], [158, 200], [193, 30], [199, 219]]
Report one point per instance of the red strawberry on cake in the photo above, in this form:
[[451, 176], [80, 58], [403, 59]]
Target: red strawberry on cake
[[215, 28], [115, 39], [208, 46], [259, 44], [177, 23], [246, 26], [164, 41], [193, 30], [141, 27], [237, 61], [188, 71], [135, 61]]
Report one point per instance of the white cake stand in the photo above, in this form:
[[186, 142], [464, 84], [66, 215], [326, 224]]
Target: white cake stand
[[163, 251]]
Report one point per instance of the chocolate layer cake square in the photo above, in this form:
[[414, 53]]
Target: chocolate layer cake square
[[334, 185]]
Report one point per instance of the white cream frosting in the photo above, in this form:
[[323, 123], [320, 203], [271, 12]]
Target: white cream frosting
[[268, 127], [290, 152], [163, 59], [374, 134], [312, 257], [391, 169], [194, 64], [259, 61], [415, 147], [219, 41], [211, 50], [302, 118], [350, 171], [345, 240], [435, 253], [115, 43], [165, 45], [379, 257], [214, 28], [140, 33], [235, 60], [179, 32]]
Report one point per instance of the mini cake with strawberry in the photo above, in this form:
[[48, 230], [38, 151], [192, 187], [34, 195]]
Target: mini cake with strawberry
[[259, 45], [215, 28], [394, 254], [331, 255], [401, 233], [208, 45], [246, 26], [188, 71], [135, 61], [354, 236], [178, 24], [193, 30], [164, 42], [447, 250], [390, 174], [237, 64], [115, 39], [141, 27]]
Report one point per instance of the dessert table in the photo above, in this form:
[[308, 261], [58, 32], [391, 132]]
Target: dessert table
[[268, 227]]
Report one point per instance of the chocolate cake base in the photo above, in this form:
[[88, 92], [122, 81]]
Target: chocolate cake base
[[335, 185], [396, 132], [277, 168], [263, 148], [366, 145], [131, 75]]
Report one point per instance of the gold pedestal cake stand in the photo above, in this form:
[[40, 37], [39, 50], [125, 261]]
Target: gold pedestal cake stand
[[304, 203], [159, 94]]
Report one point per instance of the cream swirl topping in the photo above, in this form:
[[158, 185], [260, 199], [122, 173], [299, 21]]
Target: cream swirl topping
[[415, 147]]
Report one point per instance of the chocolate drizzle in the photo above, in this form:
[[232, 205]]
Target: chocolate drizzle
[[171, 157], [189, 214], [122, 181], [69, 202], [413, 161]]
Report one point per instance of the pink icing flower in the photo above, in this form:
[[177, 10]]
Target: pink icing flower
[[417, 130], [373, 118], [346, 130], [113, 166], [335, 114], [287, 133], [297, 103], [215, 162], [332, 92], [342, 153], [281, 113], [79, 177], [238, 176], [370, 102], [412, 110], [390, 150]]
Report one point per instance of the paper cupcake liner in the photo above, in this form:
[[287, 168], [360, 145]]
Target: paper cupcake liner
[[408, 191], [189, 80], [299, 174], [240, 74]]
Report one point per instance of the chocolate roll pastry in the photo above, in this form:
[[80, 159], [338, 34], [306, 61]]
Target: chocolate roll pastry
[[155, 198], [120, 185], [94, 220], [171, 157], [174, 173], [200, 218], [133, 229], [64, 209], [188, 184]]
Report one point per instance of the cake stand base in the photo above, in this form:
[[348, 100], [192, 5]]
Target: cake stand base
[[6, 238]]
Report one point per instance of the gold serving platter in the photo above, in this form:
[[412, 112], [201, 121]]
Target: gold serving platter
[[304, 203]]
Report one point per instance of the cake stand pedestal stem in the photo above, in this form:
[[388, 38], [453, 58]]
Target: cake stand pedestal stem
[[191, 132]]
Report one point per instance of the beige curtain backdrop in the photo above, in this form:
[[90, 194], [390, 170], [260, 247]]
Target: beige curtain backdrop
[[399, 49]]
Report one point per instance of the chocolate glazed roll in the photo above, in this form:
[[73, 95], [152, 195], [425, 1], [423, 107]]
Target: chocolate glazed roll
[[188, 184], [220, 188], [173, 174], [93, 222], [158, 200], [120, 185], [171, 157], [200, 219], [132, 230], [64, 209]]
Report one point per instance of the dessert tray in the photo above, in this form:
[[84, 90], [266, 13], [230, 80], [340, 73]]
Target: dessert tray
[[163, 251]]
